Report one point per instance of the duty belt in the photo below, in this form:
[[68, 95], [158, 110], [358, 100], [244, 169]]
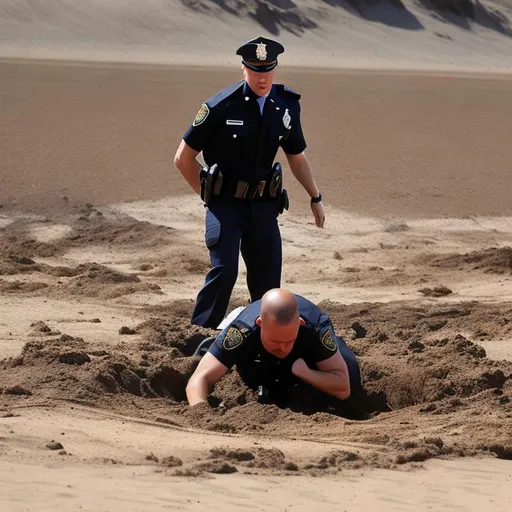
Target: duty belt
[[215, 183], [246, 190]]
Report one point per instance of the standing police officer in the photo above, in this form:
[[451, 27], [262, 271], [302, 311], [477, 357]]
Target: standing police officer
[[239, 130]]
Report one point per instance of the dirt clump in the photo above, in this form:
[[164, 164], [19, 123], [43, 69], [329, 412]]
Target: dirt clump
[[174, 333], [21, 286], [42, 329], [437, 291]]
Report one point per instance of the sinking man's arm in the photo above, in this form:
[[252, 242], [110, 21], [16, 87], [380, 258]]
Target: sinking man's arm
[[331, 377], [208, 372]]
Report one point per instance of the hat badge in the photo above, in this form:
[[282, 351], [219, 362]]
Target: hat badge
[[261, 51]]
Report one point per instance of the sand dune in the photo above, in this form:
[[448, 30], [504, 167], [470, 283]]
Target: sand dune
[[419, 35]]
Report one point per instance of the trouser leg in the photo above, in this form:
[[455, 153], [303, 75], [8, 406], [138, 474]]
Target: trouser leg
[[222, 238], [262, 250]]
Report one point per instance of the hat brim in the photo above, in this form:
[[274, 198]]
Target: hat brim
[[260, 68]]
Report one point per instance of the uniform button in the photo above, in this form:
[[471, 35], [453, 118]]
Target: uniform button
[[247, 98], [277, 108], [234, 135]]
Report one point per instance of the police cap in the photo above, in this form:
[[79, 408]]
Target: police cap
[[260, 54]]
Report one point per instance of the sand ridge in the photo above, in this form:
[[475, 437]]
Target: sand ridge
[[449, 35]]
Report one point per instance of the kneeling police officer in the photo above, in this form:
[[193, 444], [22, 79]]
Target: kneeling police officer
[[239, 131], [276, 342]]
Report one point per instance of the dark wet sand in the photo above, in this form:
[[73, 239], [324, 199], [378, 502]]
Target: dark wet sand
[[380, 143]]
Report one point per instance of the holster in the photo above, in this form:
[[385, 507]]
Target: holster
[[211, 182], [276, 189], [284, 202], [276, 181]]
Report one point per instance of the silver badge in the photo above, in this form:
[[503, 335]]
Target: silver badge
[[261, 51], [286, 119]]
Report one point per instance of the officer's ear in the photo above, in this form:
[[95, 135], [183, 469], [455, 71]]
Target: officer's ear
[[258, 321]]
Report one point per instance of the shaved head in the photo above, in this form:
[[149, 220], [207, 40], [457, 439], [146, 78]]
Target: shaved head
[[279, 321], [281, 305]]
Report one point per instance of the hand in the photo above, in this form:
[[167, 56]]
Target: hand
[[299, 368], [318, 212]]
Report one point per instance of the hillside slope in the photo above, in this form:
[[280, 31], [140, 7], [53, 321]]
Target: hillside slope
[[333, 33]]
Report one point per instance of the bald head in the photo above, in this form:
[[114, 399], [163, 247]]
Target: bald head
[[279, 321], [280, 306]]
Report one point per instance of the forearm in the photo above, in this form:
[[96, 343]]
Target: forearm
[[331, 383], [302, 171], [197, 390], [191, 172]]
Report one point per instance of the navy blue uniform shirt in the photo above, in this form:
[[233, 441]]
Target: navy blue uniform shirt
[[231, 132], [240, 342]]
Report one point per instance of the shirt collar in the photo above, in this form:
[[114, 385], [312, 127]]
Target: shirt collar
[[263, 98], [248, 92]]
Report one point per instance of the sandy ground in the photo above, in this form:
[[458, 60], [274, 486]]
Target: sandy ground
[[102, 253], [93, 477], [411, 145]]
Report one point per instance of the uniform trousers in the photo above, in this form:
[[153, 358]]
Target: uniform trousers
[[234, 226]]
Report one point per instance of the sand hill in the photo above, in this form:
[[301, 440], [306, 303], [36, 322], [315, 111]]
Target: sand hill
[[463, 34]]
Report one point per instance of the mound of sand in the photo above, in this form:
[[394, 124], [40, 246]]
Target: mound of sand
[[492, 260], [21, 248], [89, 227], [86, 280]]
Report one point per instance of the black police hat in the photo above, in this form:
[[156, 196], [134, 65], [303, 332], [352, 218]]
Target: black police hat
[[260, 54]]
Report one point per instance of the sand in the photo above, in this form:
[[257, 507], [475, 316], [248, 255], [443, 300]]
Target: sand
[[390, 35], [102, 253]]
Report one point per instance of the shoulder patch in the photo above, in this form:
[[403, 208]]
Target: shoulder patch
[[328, 341], [233, 339], [203, 113], [289, 91]]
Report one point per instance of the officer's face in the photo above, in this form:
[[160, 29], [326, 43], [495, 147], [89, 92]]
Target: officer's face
[[260, 83], [278, 339]]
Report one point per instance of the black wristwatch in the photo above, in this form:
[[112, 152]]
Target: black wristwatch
[[316, 199]]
